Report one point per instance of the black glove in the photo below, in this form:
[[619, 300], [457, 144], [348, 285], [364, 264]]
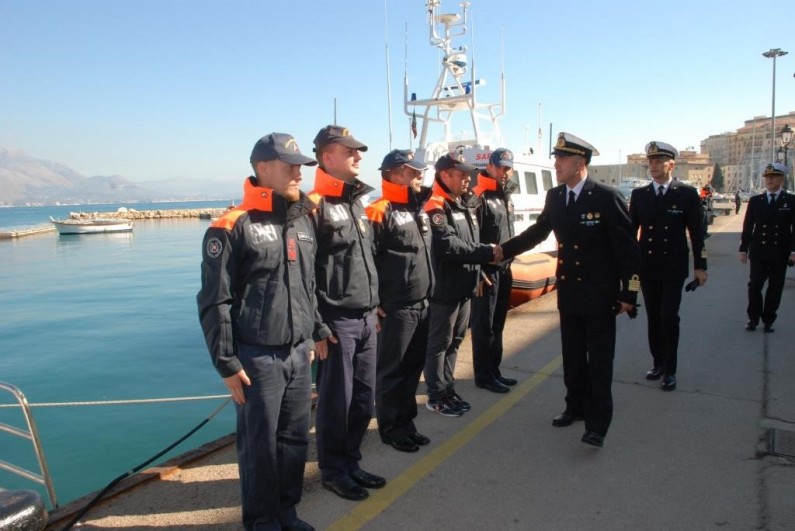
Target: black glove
[[692, 285]]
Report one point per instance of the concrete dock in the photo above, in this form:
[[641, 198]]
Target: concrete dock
[[701, 457]]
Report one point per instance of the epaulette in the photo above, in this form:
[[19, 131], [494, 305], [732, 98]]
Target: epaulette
[[377, 210], [228, 220]]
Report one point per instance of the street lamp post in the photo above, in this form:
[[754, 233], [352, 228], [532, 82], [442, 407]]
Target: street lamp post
[[774, 52], [786, 138]]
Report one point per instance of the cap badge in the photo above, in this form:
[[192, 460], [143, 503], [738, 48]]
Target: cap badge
[[653, 148], [561, 141]]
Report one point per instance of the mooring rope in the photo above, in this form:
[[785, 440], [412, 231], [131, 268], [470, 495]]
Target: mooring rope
[[119, 402]]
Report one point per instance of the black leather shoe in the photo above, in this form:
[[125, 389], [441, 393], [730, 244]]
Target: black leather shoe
[[566, 418], [404, 444], [346, 489], [366, 479], [669, 382], [750, 326], [593, 438], [494, 386], [298, 525], [510, 382], [769, 329], [419, 438], [654, 373]]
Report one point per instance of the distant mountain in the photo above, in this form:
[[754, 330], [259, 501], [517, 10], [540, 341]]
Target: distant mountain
[[26, 180]]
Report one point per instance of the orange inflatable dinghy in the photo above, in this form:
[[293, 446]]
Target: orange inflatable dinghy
[[533, 276]]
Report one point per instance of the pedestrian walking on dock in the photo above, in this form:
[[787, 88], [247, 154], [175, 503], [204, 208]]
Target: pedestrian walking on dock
[[402, 246], [347, 293], [666, 212], [257, 310], [767, 241], [597, 279]]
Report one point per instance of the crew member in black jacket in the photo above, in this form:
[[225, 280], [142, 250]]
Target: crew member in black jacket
[[457, 253], [347, 293], [490, 304], [767, 239], [257, 310], [597, 278], [666, 211], [402, 242]]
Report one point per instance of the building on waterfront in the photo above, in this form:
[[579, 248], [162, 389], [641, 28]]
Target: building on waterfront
[[695, 168], [742, 154]]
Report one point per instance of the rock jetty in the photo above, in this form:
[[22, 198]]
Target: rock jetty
[[133, 214]]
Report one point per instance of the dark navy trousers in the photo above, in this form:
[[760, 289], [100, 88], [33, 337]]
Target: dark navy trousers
[[663, 298], [774, 273], [588, 343], [446, 330], [401, 359], [273, 433], [346, 392], [489, 312]]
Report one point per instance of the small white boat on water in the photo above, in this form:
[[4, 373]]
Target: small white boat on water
[[92, 225]]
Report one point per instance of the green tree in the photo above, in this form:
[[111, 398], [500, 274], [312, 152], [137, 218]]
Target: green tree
[[717, 179]]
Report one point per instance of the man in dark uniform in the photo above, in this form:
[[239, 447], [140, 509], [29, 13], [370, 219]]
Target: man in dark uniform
[[490, 304], [257, 310], [597, 279], [457, 253], [402, 239], [666, 211], [767, 239], [347, 293]]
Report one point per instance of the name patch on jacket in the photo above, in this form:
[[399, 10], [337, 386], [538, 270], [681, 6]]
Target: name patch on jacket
[[401, 217], [458, 216], [337, 212], [263, 233], [305, 237]]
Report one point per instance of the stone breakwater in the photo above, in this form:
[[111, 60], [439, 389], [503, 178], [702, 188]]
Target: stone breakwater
[[133, 214]]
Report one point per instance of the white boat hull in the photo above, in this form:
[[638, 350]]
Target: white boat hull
[[92, 226]]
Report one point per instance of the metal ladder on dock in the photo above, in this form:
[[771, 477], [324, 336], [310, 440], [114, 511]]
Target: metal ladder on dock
[[31, 434]]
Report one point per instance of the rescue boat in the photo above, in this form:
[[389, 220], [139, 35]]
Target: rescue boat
[[456, 93]]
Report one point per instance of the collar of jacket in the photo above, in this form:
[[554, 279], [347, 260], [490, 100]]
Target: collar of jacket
[[403, 194], [328, 186], [485, 184], [262, 198]]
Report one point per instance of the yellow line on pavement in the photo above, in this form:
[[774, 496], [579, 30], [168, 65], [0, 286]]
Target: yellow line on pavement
[[381, 499]]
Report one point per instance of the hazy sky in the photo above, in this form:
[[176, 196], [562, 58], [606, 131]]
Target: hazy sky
[[152, 89]]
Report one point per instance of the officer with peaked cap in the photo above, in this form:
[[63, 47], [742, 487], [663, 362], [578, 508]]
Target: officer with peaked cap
[[257, 310], [490, 304], [768, 240], [597, 278], [347, 292], [666, 211], [402, 244]]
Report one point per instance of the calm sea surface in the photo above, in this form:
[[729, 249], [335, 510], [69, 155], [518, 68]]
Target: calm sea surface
[[103, 317]]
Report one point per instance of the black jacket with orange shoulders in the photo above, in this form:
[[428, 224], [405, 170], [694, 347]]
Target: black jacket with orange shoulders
[[344, 268], [258, 278], [402, 245]]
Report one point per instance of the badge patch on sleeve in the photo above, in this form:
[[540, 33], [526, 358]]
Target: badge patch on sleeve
[[437, 218], [214, 247]]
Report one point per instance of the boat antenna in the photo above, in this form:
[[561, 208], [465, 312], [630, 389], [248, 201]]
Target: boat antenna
[[335, 110], [540, 132], [388, 73]]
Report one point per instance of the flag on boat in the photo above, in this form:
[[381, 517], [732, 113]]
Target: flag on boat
[[414, 124]]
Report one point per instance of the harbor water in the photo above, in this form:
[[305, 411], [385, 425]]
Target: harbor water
[[104, 317]]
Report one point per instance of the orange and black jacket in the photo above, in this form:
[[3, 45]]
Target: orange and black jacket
[[495, 213], [457, 250], [402, 245], [344, 267], [257, 273]]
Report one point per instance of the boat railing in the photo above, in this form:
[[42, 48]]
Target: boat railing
[[31, 434]]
